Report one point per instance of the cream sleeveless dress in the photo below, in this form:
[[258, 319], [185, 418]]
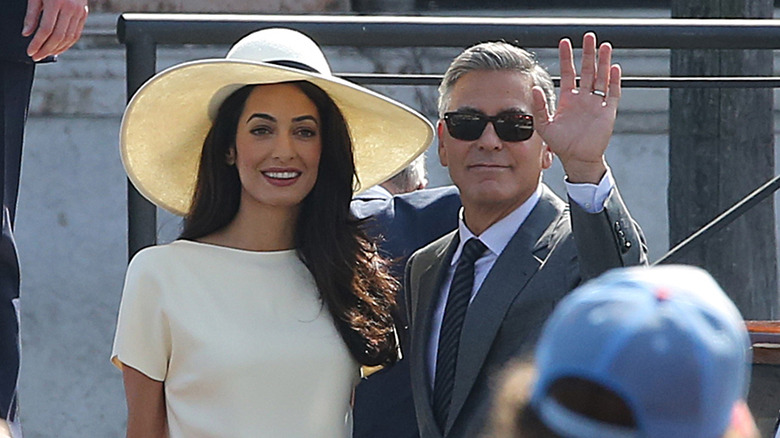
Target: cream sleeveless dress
[[240, 338]]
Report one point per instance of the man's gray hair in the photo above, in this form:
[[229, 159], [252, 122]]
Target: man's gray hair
[[409, 179], [495, 56]]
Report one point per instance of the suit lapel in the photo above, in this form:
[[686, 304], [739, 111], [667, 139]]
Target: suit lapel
[[519, 261], [429, 283]]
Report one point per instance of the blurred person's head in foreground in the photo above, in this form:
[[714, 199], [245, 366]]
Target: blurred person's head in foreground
[[636, 353]]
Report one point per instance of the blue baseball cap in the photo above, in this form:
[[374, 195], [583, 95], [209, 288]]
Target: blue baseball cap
[[667, 340]]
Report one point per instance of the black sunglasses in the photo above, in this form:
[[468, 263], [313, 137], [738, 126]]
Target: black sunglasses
[[509, 126]]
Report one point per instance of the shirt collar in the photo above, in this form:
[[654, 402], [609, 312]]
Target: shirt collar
[[498, 235], [376, 191]]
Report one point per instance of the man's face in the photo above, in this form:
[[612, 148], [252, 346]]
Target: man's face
[[493, 175]]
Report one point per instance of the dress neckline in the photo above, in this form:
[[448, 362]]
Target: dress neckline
[[235, 250]]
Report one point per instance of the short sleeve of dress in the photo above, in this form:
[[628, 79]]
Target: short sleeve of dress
[[142, 340]]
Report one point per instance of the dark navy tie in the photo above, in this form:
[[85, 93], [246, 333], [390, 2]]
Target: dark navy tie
[[451, 325]]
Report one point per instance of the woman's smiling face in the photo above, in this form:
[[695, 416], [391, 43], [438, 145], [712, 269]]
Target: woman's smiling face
[[278, 146]]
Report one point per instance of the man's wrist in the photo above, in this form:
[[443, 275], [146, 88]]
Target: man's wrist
[[591, 197], [585, 172]]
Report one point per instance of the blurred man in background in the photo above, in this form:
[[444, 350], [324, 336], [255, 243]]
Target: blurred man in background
[[404, 218]]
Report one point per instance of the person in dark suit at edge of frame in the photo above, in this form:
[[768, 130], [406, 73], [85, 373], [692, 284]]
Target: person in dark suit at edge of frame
[[30, 32]]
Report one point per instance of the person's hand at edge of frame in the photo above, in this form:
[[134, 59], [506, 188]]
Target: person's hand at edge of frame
[[55, 24], [5, 432]]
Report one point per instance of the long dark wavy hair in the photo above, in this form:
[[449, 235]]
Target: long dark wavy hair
[[352, 278]]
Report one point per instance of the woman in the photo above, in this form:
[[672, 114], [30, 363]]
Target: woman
[[254, 323]]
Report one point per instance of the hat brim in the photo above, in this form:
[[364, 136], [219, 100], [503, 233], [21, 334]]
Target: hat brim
[[166, 121]]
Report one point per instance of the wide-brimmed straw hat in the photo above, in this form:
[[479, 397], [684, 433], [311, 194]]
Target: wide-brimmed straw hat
[[166, 121]]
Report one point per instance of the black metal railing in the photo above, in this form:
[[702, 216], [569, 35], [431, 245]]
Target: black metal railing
[[142, 33]]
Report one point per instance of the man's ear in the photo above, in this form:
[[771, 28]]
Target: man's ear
[[230, 157], [442, 150], [547, 156]]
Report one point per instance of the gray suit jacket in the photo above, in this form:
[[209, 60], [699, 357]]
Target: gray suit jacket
[[551, 253]]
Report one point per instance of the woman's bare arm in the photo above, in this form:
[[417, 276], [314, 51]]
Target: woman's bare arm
[[146, 415]]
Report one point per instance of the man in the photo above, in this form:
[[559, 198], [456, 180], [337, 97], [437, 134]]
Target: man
[[374, 199], [403, 219], [478, 297], [29, 32], [409, 179], [653, 352]]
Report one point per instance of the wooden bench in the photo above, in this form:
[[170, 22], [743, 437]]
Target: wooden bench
[[764, 397]]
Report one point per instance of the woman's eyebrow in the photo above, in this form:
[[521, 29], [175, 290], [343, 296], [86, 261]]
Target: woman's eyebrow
[[261, 116], [306, 117]]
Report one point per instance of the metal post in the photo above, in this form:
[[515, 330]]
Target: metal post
[[141, 52]]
